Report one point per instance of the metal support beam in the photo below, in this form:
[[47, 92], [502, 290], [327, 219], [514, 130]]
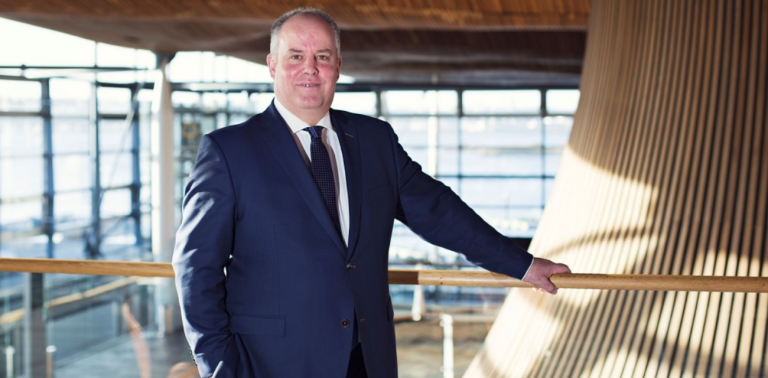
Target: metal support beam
[[34, 326], [136, 167], [48, 194], [93, 238]]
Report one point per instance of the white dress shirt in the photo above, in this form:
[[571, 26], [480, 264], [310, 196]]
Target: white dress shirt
[[331, 141]]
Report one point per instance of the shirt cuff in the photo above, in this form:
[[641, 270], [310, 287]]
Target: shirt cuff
[[528, 270]]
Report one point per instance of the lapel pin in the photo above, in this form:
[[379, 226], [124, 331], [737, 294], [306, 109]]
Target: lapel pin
[[349, 135]]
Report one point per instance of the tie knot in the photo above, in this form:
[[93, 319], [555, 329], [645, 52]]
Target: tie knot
[[315, 131]]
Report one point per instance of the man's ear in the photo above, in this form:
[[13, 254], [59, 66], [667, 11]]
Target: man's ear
[[338, 68], [271, 63]]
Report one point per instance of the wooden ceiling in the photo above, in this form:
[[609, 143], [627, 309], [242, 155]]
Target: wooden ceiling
[[528, 42]]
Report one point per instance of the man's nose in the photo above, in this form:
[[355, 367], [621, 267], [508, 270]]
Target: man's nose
[[310, 66]]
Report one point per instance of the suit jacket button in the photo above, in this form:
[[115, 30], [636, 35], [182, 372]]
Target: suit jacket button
[[350, 267], [345, 323]]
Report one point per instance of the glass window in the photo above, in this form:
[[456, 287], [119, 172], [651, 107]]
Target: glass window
[[238, 102], [512, 221], [356, 102], [502, 132], [28, 247], [70, 97], [20, 96], [411, 131], [114, 56], [116, 203], [69, 241], [220, 67], [558, 130], [500, 161], [239, 70], [419, 102], [238, 118], [502, 102], [119, 235], [71, 135], [549, 184], [220, 121], [21, 176], [552, 163], [114, 135], [502, 192], [71, 172], [261, 101], [114, 100], [186, 66], [213, 101], [116, 169], [208, 61], [21, 216], [448, 146], [21, 136], [182, 99], [562, 101], [75, 206]]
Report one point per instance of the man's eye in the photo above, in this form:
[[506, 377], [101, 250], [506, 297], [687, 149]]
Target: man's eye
[[323, 57], [295, 56]]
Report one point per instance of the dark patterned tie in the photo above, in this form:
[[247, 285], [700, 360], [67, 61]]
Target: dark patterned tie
[[323, 174]]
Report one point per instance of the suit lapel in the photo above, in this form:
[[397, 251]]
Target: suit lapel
[[350, 149], [284, 146]]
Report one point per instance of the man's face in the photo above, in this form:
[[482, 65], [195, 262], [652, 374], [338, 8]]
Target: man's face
[[306, 67]]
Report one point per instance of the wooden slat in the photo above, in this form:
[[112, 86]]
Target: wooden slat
[[664, 174]]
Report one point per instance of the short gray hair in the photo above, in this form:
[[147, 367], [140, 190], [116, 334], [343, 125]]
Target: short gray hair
[[303, 11]]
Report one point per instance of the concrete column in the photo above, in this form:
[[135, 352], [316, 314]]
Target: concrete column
[[163, 200]]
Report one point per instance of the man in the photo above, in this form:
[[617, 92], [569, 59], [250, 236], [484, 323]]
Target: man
[[281, 257]]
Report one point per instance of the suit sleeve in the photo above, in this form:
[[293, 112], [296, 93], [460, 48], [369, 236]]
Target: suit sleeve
[[434, 212], [203, 246]]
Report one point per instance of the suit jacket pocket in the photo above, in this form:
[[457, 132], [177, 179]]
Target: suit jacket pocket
[[257, 325]]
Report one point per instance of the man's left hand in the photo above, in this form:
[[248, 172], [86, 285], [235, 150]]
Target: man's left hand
[[540, 271]]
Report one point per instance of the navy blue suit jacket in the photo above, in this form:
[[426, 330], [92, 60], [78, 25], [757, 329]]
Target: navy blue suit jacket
[[262, 273]]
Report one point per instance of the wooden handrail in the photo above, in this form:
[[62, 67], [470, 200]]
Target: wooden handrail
[[426, 277]]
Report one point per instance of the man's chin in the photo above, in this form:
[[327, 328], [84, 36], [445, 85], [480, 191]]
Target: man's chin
[[313, 106]]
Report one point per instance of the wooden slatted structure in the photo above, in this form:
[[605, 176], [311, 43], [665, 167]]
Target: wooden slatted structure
[[666, 173]]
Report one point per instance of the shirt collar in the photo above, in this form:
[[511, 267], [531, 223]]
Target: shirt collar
[[296, 124]]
